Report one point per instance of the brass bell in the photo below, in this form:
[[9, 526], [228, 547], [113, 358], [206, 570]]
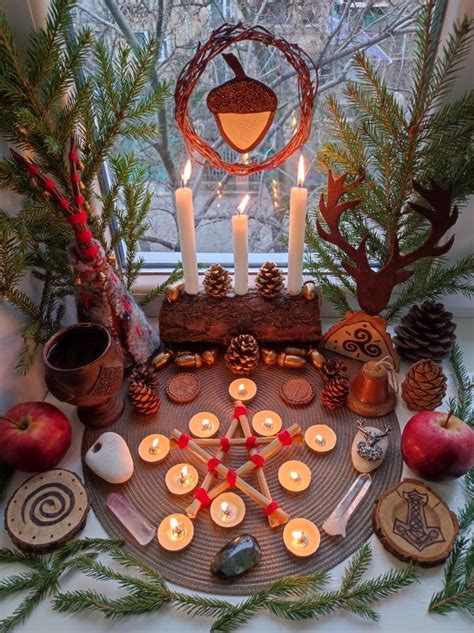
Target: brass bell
[[161, 359], [317, 358], [296, 351], [291, 360], [209, 356], [101, 277], [370, 392], [186, 361], [269, 356], [174, 291], [112, 260], [78, 281], [309, 290]]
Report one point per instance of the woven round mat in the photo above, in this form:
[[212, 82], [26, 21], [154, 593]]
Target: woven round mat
[[332, 475]]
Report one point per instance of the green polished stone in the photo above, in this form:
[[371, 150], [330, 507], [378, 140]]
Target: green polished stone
[[236, 557]]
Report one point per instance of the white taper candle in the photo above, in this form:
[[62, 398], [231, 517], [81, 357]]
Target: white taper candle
[[187, 236], [298, 203], [241, 250]]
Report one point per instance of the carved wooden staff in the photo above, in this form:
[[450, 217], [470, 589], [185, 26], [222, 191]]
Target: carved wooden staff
[[266, 503], [209, 478], [262, 480]]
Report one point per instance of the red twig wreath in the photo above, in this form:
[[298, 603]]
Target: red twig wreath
[[220, 39]]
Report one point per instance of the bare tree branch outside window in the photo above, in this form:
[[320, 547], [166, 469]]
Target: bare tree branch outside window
[[330, 31]]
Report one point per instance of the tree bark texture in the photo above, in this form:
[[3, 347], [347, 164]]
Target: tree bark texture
[[205, 319]]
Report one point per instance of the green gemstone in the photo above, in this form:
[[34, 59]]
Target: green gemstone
[[236, 557]]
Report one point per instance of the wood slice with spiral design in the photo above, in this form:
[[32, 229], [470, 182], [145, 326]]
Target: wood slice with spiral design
[[47, 510]]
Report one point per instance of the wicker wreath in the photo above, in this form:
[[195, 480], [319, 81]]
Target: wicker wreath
[[220, 39]]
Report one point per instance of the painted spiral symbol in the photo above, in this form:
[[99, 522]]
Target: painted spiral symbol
[[362, 341], [49, 504]]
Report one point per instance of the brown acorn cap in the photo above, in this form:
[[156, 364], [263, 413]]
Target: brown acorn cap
[[241, 95]]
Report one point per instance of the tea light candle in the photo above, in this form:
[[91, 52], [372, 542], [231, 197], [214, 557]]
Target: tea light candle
[[175, 532], [301, 537], [154, 448], [294, 476], [204, 424], [242, 389], [228, 510], [266, 423], [181, 479], [320, 438]]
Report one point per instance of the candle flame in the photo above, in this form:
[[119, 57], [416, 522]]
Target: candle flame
[[301, 171], [186, 175], [154, 444], [245, 157], [297, 535], [319, 438], [174, 523], [269, 421], [205, 423], [225, 507], [243, 204], [293, 121], [294, 475], [184, 472], [241, 388]]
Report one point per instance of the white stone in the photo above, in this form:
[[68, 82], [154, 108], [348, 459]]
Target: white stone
[[364, 465], [110, 458]]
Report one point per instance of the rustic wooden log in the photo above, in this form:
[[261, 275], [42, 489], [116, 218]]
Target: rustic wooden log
[[204, 319]]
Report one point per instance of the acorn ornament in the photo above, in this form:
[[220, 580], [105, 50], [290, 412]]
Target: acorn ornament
[[142, 389], [243, 108], [217, 281], [242, 354], [424, 386], [269, 281]]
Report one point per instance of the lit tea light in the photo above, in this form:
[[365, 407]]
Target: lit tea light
[[320, 438], [242, 389], [294, 476], [266, 423], [175, 532], [204, 424], [181, 479], [154, 448], [301, 537], [228, 510]]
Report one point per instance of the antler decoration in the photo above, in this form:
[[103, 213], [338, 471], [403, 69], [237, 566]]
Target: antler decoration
[[371, 437], [374, 287], [73, 211]]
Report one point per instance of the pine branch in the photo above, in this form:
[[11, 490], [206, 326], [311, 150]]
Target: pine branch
[[175, 276], [462, 405]]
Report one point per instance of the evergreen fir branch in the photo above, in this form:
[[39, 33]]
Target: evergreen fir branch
[[175, 276], [462, 404], [356, 568]]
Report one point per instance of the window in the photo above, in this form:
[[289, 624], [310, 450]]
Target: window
[[329, 31]]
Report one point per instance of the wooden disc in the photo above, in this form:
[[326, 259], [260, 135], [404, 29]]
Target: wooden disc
[[47, 510], [415, 524]]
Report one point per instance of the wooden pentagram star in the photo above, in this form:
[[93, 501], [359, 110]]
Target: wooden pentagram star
[[204, 493]]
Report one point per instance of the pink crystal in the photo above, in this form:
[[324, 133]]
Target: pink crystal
[[130, 518]]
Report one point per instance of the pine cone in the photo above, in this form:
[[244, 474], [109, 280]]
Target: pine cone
[[142, 389], [333, 369], [269, 281], [424, 386], [217, 281], [242, 354], [335, 393], [426, 331]]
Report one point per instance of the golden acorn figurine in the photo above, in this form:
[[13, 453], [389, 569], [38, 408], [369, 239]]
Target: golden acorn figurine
[[292, 361], [269, 356], [161, 359], [209, 356], [242, 354], [142, 389], [424, 386], [187, 361], [269, 281], [317, 358], [217, 281]]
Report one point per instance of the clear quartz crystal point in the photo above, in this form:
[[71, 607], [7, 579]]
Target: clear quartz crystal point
[[130, 518], [336, 522]]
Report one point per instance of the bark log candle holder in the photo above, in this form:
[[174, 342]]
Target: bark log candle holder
[[204, 319]]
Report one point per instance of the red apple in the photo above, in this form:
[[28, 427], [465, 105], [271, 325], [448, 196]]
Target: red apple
[[34, 436], [438, 445]]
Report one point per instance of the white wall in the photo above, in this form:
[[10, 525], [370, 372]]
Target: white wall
[[14, 388]]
